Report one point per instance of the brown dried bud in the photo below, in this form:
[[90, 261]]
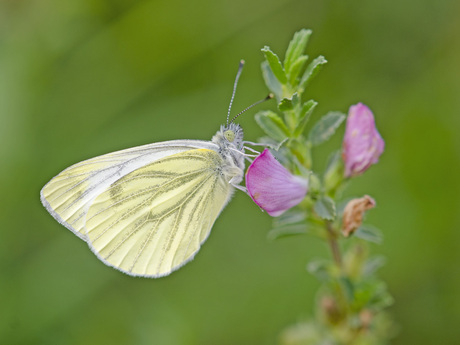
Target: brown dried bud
[[354, 212], [330, 309], [366, 317]]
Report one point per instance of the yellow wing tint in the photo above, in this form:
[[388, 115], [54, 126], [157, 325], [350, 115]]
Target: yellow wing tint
[[69, 195], [153, 220]]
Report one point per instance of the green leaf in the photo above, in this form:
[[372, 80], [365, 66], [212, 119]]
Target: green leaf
[[295, 70], [285, 105], [325, 127], [272, 124], [369, 233], [271, 81], [287, 230], [295, 99], [296, 48], [325, 208], [381, 299], [320, 268], [312, 70], [372, 294], [347, 287], [291, 216], [305, 114], [333, 175], [275, 65], [373, 264]]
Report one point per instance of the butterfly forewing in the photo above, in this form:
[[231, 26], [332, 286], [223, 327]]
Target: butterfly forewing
[[68, 195], [154, 219]]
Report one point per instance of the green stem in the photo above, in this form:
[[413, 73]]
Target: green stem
[[333, 244]]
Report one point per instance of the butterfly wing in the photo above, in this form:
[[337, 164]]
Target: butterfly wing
[[68, 196], [153, 220]]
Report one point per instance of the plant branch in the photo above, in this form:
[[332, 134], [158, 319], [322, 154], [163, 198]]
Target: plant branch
[[333, 244]]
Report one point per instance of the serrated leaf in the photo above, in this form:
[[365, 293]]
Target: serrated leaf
[[305, 113], [285, 104], [296, 48], [287, 230], [275, 65], [369, 233], [325, 208], [272, 124], [326, 127], [295, 70], [271, 81], [311, 71]]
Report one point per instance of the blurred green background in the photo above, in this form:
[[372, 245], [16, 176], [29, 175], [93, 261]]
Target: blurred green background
[[83, 78]]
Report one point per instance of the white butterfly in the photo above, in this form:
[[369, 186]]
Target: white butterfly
[[146, 210]]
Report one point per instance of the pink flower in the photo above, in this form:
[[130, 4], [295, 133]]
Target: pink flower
[[362, 144], [272, 186]]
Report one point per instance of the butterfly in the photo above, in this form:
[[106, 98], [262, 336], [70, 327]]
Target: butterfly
[[147, 210]]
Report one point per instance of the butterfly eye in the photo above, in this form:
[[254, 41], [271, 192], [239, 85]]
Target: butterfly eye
[[229, 135]]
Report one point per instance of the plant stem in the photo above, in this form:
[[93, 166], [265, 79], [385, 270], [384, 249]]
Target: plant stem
[[333, 244]]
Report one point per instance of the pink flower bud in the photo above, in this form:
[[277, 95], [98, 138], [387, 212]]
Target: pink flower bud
[[362, 144], [272, 186]]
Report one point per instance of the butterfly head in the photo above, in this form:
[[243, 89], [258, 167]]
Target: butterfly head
[[229, 135]]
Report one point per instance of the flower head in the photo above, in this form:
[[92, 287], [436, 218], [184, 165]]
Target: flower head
[[272, 186], [362, 144]]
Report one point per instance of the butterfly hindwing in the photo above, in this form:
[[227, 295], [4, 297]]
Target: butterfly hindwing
[[154, 219]]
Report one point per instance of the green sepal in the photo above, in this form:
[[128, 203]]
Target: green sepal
[[296, 48], [275, 65], [311, 71], [272, 124], [271, 81], [369, 233], [314, 185], [325, 127], [305, 113], [325, 208]]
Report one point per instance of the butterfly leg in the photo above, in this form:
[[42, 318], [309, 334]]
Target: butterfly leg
[[250, 149], [241, 188]]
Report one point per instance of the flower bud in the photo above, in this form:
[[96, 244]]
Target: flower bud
[[354, 212], [272, 186], [362, 144]]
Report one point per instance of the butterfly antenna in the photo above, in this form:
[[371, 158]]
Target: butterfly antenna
[[240, 69], [270, 96]]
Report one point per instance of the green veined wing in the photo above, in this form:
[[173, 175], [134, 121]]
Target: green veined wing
[[69, 195], [152, 221]]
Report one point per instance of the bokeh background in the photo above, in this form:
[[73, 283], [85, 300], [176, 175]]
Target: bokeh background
[[80, 78]]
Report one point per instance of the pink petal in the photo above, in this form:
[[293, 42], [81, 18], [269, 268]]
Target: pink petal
[[272, 186], [362, 144]]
